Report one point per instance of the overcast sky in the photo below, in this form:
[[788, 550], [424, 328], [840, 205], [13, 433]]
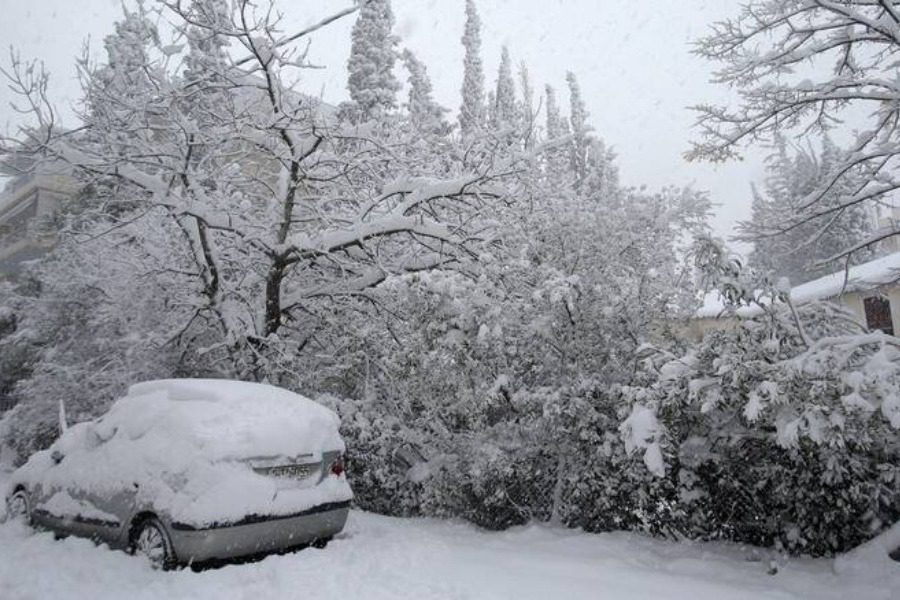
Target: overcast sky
[[633, 59]]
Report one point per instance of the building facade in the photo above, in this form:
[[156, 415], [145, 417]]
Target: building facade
[[27, 202]]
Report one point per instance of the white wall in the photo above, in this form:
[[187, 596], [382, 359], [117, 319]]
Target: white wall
[[695, 328]]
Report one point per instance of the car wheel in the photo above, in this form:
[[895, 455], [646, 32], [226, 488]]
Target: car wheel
[[18, 508], [151, 541], [321, 543]]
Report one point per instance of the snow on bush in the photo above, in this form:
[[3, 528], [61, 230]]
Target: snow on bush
[[639, 431], [782, 429]]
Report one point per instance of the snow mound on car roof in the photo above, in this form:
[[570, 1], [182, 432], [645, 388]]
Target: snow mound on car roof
[[224, 419]]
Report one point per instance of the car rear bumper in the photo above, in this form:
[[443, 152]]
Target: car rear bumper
[[257, 535]]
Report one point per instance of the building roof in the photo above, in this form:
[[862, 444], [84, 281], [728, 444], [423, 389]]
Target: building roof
[[866, 276]]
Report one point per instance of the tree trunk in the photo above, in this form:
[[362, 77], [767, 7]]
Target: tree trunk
[[273, 297]]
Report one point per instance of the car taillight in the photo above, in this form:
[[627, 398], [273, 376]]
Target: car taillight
[[337, 467]]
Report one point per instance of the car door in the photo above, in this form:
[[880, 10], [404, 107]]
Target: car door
[[68, 506], [103, 516], [52, 508], [101, 511]]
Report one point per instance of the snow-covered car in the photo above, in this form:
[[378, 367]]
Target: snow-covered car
[[186, 471]]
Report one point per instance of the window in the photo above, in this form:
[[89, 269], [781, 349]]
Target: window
[[878, 314]]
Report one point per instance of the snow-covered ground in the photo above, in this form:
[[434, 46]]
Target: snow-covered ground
[[385, 558]]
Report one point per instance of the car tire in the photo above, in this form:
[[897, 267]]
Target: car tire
[[18, 507], [150, 540], [320, 543]]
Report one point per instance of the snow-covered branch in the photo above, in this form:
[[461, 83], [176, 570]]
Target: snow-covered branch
[[800, 65]]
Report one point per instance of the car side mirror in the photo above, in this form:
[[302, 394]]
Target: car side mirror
[[56, 456]]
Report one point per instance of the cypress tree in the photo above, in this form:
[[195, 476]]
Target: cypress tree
[[373, 87], [472, 111]]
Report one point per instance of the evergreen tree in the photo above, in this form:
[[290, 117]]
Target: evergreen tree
[[124, 77], [490, 107], [526, 108], [207, 44], [206, 64], [601, 174], [472, 111], [761, 258], [505, 108], [557, 162], [373, 87], [426, 114], [124, 91], [554, 121], [580, 130], [788, 239]]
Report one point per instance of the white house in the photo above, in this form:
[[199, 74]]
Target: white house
[[871, 291]]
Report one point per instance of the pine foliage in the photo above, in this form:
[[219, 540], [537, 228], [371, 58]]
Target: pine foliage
[[472, 113], [505, 114], [373, 54], [789, 239], [424, 112]]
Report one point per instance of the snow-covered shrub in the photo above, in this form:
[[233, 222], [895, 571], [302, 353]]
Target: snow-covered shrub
[[501, 375], [16, 354], [383, 460], [781, 429], [603, 486], [770, 450], [491, 485]]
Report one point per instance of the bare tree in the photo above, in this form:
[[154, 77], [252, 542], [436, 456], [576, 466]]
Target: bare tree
[[804, 65]]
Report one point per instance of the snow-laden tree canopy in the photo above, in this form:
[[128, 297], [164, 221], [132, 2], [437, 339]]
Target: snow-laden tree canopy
[[259, 206], [807, 66], [787, 240]]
